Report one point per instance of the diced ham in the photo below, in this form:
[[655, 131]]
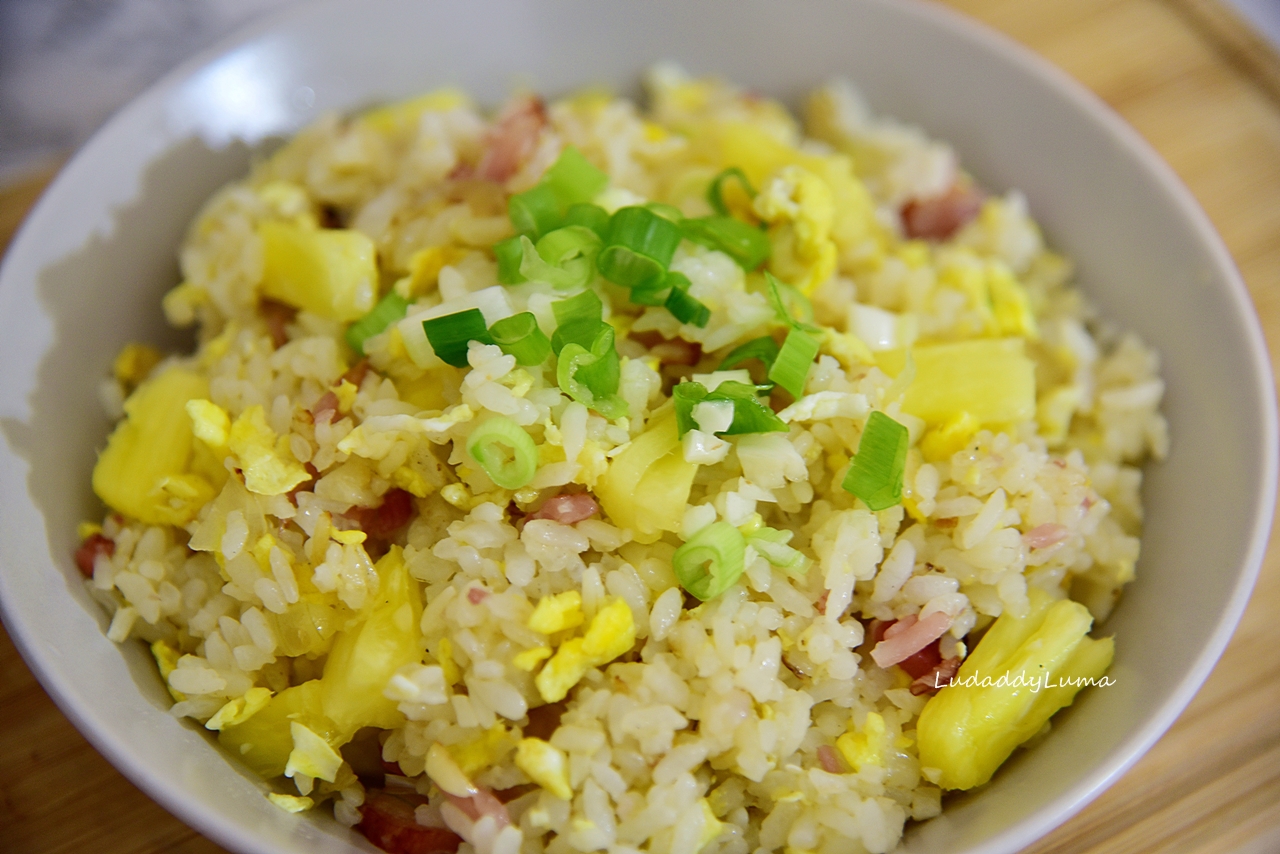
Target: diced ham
[[325, 408], [391, 515], [937, 678], [277, 316], [567, 509], [93, 545], [356, 373], [939, 217], [821, 604], [388, 822], [1043, 536], [512, 139], [920, 663], [828, 759], [877, 628], [899, 644], [482, 803]]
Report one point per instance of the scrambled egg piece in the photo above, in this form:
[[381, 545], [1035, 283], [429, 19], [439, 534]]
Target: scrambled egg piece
[[290, 803], [268, 465], [134, 362], [800, 210], [166, 661], [611, 633], [346, 392], [711, 826], [865, 746], [144, 472], [940, 442], [404, 115], [444, 657], [557, 613], [545, 765], [240, 709], [531, 658], [209, 422], [482, 751], [424, 269], [311, 755]]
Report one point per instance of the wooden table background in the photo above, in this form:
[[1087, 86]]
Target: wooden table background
[[1205, 91]]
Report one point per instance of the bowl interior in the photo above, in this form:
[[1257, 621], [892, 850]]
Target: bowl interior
[[87, 271]]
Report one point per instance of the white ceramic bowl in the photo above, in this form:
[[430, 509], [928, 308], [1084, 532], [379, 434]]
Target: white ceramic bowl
[[87, 270]]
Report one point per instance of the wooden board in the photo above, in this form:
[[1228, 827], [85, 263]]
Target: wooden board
[[1205, 91]]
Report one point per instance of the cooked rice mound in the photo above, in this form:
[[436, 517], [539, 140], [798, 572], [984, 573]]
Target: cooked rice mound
[[333, 583]]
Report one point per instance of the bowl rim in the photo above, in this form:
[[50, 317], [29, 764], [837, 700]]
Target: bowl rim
[[981, 37]]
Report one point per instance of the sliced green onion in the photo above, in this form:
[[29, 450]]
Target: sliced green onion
[[564, 258], [877, 471], [389, 309], [685, 308], [510, 253], [520, 336], [784, 298], [505, 451], [763, 348], [711, 561], [639, 247], [535, 211], [573, 179], [449, 335], [590, 376], [746, 245], [593, 217], [750, 414], [771, 544], [715, 191], [583, 306], [685, 396], [791, 367], [666, 211]]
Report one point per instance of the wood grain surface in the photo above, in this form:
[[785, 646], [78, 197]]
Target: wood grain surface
[[1205, 91]]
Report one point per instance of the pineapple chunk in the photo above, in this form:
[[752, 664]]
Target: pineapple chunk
[[646, 487], [329, 272], [364, 658], [143, 471], [1022, 671], [265, 741], [990, 378]]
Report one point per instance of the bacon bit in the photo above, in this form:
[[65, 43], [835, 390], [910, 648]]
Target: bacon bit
[[937, 678], [544, 721], [922, 663], [388, 822], [899, 644], [331, 217], [877, 628], [828, 759], [476, 595], [513, 138], [949, 522], [324, 408], [277, 315], [821, 604], [391, 515], [677, 351], [1043, 536], [305, 485], [356, 373], [940, 217], [392, 768], [93, 545], [482, 803], [567, 509]]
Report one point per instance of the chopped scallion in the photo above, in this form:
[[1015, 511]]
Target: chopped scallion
[[715, 191], [750, 414], [711, 561], [505, 451], [669, 212], [589, 216], [564, 258], [746, 245], [771, 544], [591, 375], [389, 309], [763, 348], [449, 335], [535, 211], [685, 308], [573, 179], [639, 247], [787, 301], [583, 306], [520, 336], [510, 253], [876, 474], [791, 367]]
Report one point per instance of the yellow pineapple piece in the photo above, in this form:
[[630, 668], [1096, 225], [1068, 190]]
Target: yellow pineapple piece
[[329, 272]]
